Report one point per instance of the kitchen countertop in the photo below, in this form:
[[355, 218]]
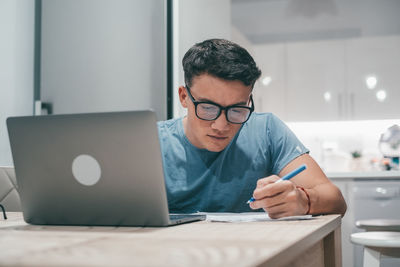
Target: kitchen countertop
[[364, 175]]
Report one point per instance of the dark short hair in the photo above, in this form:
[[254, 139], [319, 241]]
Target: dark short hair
[[220, 58]]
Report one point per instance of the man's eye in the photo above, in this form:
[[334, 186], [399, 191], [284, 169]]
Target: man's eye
[[208, 107], [238, 110]]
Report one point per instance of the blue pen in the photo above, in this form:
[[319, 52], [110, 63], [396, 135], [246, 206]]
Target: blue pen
[[288, 176]]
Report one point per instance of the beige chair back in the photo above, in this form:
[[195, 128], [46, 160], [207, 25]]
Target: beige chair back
[[9, 196]]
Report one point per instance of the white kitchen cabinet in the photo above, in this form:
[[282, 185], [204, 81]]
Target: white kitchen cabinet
[[379, 56], [271, 97], [325, 80], [375, 199], [315, 81], [369, 195]]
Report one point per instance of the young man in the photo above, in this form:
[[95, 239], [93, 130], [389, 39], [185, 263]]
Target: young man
[[221, 154]]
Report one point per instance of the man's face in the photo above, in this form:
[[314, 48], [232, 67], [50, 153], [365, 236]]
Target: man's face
[[212, 135]]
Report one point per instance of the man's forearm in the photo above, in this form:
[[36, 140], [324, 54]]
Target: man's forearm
[[326, 198]]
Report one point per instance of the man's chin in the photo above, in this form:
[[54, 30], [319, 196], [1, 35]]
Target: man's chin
[[216, 148]]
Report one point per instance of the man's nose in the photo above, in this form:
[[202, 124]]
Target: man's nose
[[220, 123]]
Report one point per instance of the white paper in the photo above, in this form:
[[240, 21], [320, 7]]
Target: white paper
[[248, 217]]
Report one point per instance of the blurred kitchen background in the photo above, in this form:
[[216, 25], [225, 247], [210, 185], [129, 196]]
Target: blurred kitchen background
[[330, 71]]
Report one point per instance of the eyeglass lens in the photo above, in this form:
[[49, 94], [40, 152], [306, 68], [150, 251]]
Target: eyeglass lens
[[208, 111]]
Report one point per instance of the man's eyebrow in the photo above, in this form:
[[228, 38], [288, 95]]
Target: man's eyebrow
[[243, 103]]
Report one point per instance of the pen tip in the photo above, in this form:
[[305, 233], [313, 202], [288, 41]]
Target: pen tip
[[250, 200]]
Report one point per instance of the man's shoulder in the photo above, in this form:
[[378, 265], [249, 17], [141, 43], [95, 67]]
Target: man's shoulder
[[262, 115], [263, 118], [167, 124], [262, 124], [170, 128]]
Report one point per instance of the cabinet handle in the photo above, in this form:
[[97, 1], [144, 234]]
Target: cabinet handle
[[352, 106], [340, 106]]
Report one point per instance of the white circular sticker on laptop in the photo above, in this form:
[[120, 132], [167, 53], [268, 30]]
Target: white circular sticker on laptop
[[86, 170]]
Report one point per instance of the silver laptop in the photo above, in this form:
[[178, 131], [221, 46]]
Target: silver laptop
[[91, 169]]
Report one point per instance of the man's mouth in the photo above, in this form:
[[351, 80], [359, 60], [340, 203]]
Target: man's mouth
[[218, 137]]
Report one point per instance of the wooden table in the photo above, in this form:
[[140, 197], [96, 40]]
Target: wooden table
[[314, 242]]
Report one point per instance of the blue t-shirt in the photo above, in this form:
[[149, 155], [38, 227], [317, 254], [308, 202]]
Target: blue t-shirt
[[201, 180]]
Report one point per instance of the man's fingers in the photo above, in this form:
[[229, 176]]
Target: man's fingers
[[267, 180], [277, 199], [268, 202], [277, 215], [271, 189], [280, 211]]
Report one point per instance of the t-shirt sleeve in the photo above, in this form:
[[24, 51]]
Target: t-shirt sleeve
[[284, 146]]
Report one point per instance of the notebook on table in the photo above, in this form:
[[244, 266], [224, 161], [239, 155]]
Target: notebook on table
[[91, 169]]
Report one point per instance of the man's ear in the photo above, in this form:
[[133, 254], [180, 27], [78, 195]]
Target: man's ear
[[183, 96]]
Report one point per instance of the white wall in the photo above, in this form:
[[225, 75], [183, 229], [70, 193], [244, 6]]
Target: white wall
[[239, 38], [104, 55], [195, 21], [16, 65]]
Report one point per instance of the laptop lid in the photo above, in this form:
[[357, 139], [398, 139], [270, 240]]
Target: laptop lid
[[89, 169]]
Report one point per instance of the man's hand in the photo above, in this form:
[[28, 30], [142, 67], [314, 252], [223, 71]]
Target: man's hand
[[279, 199], [285, 199]]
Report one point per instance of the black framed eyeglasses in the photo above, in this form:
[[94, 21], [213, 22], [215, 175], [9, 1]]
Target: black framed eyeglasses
[[209, 111]]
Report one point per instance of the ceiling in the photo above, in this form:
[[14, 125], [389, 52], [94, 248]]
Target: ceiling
[[269, 21]]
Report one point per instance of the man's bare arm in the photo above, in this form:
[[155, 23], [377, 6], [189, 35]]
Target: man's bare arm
[[325, 197], [290, 198]]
